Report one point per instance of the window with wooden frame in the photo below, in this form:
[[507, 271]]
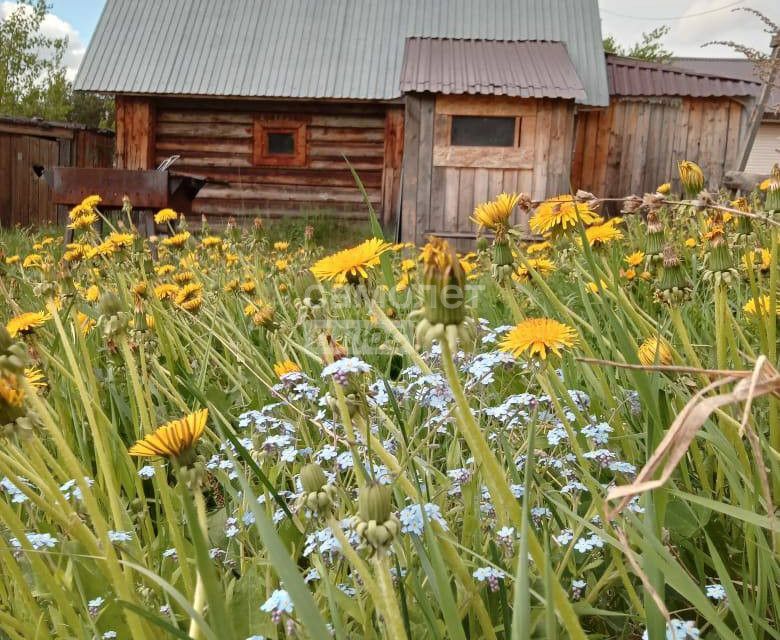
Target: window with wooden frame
[[279, 143], [484, 131]]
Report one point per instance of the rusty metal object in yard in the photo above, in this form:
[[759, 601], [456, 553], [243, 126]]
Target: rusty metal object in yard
[[743, 181]]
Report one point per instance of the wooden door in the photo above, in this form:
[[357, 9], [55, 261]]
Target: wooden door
[[31, 202]]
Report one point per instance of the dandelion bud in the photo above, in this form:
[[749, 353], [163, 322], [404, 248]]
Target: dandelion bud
[[444, 279], [444, 311], [655, 350], [375, 522], [655, 238], [691, 177], [13, 354], [674, 286], [719, 266], [113, 317], [482, 244], [313, 478]]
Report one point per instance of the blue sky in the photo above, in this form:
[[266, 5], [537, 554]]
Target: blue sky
[[82, 14], [693, 23]]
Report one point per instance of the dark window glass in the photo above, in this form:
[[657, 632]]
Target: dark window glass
[[478, 131], [281, 143]]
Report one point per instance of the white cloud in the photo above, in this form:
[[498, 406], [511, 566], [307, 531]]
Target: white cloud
[[55, 27]]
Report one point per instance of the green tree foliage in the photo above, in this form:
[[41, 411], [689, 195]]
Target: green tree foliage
[[32, 74], [650, 47]]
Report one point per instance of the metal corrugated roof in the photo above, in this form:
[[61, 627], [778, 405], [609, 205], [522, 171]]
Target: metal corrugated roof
[[632, 77], [738, 68], [340, 49], [493, 67]]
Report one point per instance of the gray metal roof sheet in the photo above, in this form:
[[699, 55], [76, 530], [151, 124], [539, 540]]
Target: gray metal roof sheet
[[337, 49], [632, 77], [494, 67]]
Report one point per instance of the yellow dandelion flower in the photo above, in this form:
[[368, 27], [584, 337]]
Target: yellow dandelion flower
[[537, 337], [33, 261], [75, 253], [538, 247], [84, 220], [281, 246], [190, 297], [174, 439], [166, 291], [543, 266], [165, 215], [561, 213], [177, 240], [231, 285], [408, 264], [92, 294], [211, 241], [691, 243], [26, 323], [10, 393], [759, 306], [164, 269], [602, 234], [281, 265], [351, 265], [284, 367], [11, 260], [231, 259], [594, 288], [692, 177], [664, 189], [90, 202], [35, 378], [85, 323], [120, 240], [37, 246], [634, 259], [495, 214], [248, 286], [629, 274], [183, 277], [655, 350], [761, 259], [403, 282]]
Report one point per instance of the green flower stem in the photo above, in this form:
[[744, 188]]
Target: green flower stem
[[721, 307], [144, 413], [389, 603], [507, 509], [771, 330], [122, 580], [682, 333], [355, 560], [399, 337], [199, 599]]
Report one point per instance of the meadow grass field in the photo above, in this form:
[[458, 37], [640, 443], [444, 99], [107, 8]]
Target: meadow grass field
[[573, 435]]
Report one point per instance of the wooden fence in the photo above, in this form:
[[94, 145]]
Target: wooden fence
[[25, 144], [634, 145]]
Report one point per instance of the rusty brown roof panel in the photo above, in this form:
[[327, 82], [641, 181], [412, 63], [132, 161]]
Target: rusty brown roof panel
[[525, 69], [632, 77]]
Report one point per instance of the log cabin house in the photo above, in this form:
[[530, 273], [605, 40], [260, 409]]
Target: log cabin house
[[438, 105]]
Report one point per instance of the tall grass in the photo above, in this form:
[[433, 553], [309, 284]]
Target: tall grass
[[498, 466]]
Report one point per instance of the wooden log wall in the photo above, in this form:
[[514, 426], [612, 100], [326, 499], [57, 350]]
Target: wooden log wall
[[443, 183], [25, 198], [215, 139], [634, 145]]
